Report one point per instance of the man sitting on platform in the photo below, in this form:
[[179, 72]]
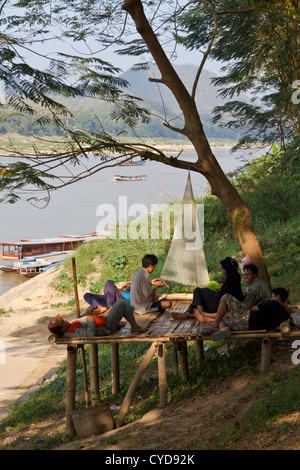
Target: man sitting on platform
[[143, 296], [269, 315], [96, 325]]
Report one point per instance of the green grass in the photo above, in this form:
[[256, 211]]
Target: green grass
[[277, 397]]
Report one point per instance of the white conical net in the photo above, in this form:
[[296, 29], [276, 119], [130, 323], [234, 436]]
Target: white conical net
[[185, 262]]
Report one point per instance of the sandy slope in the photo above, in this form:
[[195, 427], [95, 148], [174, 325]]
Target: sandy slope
[[27, 357]]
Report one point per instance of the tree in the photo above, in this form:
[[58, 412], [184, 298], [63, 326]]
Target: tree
[[83, 20]]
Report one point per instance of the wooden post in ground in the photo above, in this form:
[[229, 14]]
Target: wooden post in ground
[[75, 287], [115, 369], [85, 379], [266, 353], [70, 390], [135, 382], [184, 360], [94, 378], [162, 375], [176, 348], [199, 350]]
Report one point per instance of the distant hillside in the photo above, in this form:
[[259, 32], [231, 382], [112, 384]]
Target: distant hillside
[[206, 97], [94, 114], [161, 100]]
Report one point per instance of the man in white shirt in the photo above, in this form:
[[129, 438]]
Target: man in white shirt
[[143, 296]]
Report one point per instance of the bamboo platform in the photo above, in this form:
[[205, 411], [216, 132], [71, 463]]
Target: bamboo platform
[[159, 329]]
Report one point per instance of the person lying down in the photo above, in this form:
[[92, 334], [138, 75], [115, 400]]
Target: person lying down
[[96, 325]]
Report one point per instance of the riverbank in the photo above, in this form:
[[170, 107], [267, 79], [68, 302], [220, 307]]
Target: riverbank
[[22, 143]]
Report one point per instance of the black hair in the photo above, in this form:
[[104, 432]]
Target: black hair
[[149, 260], [282, 292], [56, 330], [251, 267], [233, 262]]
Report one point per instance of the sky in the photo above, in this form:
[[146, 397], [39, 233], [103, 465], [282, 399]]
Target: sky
[[125, 62], [183, 57], [121, 61]]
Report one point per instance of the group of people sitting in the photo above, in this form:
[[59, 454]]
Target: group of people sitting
[[225, 307], [229, 309], [104, 315]]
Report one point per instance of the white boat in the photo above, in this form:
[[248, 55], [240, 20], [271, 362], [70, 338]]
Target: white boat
[[130, 178], [32, 266], [133, 163]]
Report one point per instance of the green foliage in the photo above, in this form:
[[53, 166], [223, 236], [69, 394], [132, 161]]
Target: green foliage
[[118, 261], [258, 42]]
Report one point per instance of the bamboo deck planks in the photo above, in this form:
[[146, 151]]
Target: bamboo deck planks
[[164, 327]]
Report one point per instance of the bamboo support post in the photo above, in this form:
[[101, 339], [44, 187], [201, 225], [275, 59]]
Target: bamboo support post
[[115, 369], [75, 287], [175, 357], [199, 350], [135, 382], [184, 360], [162, 375], [70, 390], [94, 378], [266, 353], [285, 328], [86, 388]]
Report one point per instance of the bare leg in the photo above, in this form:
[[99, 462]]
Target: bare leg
[[135, 328], [204, 317], [221, 312], [165, 304], [182, 316]]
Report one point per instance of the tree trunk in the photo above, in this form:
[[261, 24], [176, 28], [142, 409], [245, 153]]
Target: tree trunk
[[240, 217], [206, 164]]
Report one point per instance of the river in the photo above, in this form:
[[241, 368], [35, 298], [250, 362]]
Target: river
[[73, 210]]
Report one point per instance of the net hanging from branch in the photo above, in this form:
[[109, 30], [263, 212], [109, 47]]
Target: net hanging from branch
[[185, 261]]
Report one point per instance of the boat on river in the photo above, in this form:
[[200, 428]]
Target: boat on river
[[130, 178], [133, 163], [31, 266], [12, 251]]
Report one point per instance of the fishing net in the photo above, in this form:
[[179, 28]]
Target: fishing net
[[185, 261]]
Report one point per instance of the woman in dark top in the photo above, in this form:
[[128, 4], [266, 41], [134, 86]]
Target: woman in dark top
[[232, 283], [206, 300]]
